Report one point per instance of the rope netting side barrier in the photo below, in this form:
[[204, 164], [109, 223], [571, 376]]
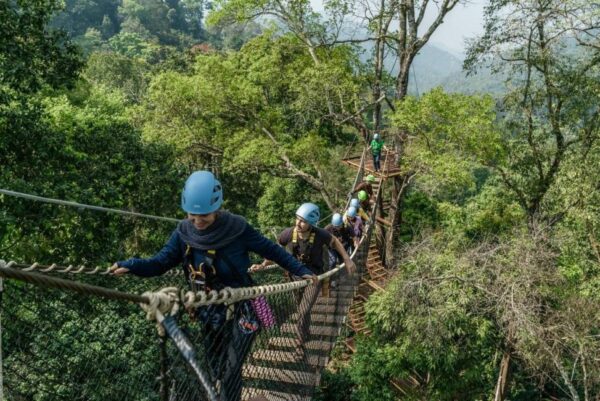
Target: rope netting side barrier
[[271, 340]]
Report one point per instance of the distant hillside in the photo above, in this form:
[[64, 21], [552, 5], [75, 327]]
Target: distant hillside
[[434, 66]]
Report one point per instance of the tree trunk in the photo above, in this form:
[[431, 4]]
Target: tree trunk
[[502, 384], [400, 184], [403, 75], [379, 56]]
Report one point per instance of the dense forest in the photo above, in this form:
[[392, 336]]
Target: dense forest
[[494, 244]]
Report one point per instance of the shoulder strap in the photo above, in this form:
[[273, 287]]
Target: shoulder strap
[[311, 238], [210, 256]]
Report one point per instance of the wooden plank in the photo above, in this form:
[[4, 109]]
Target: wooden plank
[[314, 330], [275, 356], [326, 318], [376, 286], [288, 342], [249, 392], [324, 308], [332, 301], [279, 375], [350, 344], [383, 221]]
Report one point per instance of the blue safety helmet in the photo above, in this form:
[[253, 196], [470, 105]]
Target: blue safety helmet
[[351, 212], [376, 137], [202, 193], [336, 220], [355, 203], [309, 212]]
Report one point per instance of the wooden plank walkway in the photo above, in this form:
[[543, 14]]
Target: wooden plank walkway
[[391, 168], [277, 372]]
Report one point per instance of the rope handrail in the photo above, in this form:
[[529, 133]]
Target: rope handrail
[[223, 296], [100, 208], [72, 269], [7, 270], [84, 206], [231, 295], [38, 279]]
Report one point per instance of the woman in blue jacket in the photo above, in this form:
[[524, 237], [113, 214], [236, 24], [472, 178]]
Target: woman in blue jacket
[[213, 247]]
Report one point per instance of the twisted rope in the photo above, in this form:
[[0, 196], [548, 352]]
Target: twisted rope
[[161, 303], [71, 269], [232, 295], [41, 280]]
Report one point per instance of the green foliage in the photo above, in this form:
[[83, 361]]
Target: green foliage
[[131, 44], [279, 201], [487, 214], [551, 113], [32, 55], [232, 36], [89, 155], [260, 119], [335, 386], [112, 70], [174, 23], [451, 136], [419, 213]]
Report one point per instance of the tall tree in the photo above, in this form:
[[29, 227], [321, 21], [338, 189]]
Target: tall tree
[[325, 32], [552, 50], [276, 104]]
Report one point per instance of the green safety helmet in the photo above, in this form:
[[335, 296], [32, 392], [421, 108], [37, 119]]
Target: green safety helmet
[[363, 196], [370, 178]]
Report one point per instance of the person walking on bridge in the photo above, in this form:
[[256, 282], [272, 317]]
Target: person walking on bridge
[[359, 210], [376, 146], [364, 201], [309, 244], [366, 185], [345, 235], [355, 223], [213, 247]]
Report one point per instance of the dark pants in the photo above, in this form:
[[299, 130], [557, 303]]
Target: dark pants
[[334, 258], [376, 161], [308, 297], [227, 345]]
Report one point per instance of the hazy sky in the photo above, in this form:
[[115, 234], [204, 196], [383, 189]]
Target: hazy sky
[[463, 22]]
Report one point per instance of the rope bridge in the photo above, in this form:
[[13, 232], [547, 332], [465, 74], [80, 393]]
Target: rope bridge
[[60, 342]]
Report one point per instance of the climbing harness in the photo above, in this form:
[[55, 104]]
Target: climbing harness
[[302, 253]]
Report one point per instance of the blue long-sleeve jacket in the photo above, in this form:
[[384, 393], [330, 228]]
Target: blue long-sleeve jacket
[[173, 254]]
